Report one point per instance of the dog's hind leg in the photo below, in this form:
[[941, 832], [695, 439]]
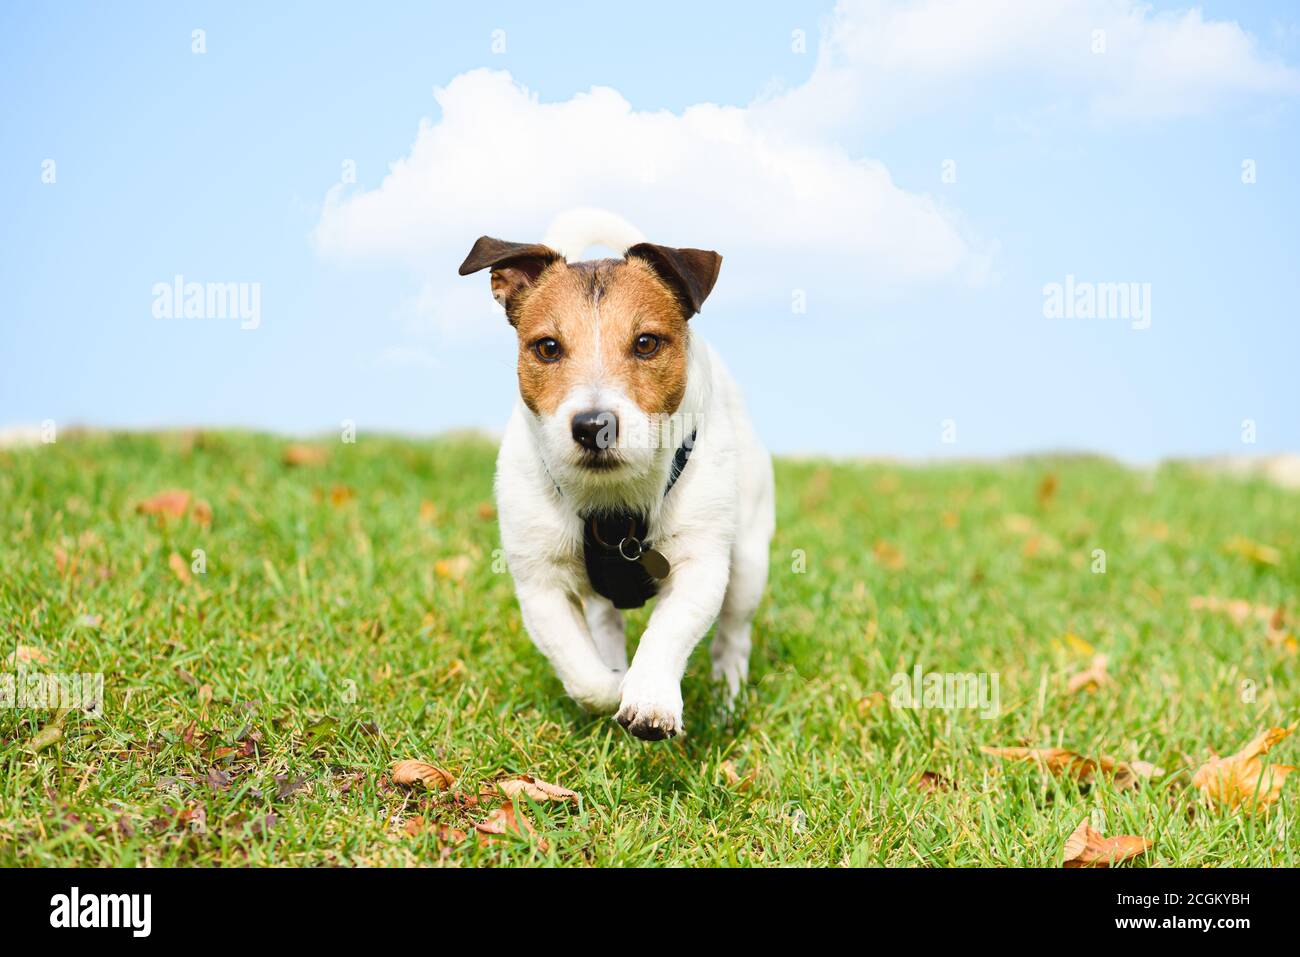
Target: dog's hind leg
[[731, 641], [606, 625]]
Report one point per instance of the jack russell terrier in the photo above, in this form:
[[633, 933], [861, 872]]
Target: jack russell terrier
[[629, 470]]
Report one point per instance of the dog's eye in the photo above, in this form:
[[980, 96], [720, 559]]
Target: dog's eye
[[548, 350], [646, 345]]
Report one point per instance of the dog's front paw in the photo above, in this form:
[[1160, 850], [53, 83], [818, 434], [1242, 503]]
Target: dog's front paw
[[598, 698], [651, 710]]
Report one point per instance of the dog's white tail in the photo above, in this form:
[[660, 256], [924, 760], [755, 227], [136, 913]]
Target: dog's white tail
[[574, 231]]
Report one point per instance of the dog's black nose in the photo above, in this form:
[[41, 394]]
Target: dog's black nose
[[595, 430]]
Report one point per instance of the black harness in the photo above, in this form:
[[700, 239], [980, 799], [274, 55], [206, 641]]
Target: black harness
[[621, 565]]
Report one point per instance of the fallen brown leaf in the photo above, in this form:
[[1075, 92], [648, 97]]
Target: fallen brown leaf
[[888, 555], [1244, 779], [286, 786], [26, 654], [1092, 677], [201, 513], [180, 568], [536, 789], [173, 503], [871, 703], [1046, 489], [1019, 524], [928, 782], [218, 779], [507, 820], [1238, 609], [418, 772], [735, 779], [1129, 773], [304, 455], [1078, 644], [1087, 848], [452, 835], [1061, 761], [1256, 552], [454, 568]]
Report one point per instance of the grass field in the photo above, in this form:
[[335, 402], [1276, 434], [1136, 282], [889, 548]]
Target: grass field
[[350, 615]]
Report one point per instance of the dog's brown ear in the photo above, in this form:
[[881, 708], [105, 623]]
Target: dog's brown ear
[[515, 266], [691, 272]]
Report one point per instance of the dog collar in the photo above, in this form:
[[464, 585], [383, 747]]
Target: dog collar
[[621, 564]]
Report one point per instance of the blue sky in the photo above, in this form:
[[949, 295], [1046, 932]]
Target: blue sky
[[818, 174]]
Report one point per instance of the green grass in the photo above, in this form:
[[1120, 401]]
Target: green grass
[[325, 626]]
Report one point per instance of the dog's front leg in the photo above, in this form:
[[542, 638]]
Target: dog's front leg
[[555, 622], [651, 705]]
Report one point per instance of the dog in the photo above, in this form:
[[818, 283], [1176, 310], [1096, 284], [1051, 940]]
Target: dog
[[629, 470]]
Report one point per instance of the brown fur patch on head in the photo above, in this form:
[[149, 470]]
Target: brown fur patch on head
[[595, 311]]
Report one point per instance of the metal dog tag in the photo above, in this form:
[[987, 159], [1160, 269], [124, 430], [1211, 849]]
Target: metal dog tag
[[655, 563], [652, 561]]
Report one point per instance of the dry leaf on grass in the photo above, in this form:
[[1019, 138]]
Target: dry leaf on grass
[[507, 820], [735, 779], [176, 503], [1087, 848], [454, 568], [1241, 611], [26, 654], [450, 835], [180, 568], [888, 555], [416, 825], [201, 513], [1257, 552], [304, 455], [1245, 779], [1078, 644], [1019, 524], [928, 782], [1060, 761], [1046, 489], [1238, 609], [173, 503], [1092, 677], [418, 772], [875, 701], [539, 791]]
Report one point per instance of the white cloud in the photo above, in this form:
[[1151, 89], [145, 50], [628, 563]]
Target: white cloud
[[879, 61], [501, 162], [767, 184]]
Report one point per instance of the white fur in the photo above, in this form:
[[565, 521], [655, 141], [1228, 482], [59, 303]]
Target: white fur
[[714, 527], [574, 231]]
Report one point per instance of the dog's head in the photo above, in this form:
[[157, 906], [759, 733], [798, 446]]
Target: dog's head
[[603, 345]]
